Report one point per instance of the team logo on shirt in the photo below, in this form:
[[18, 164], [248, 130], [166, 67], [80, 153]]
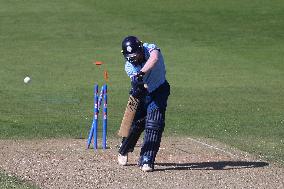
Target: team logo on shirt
[[128, 48]]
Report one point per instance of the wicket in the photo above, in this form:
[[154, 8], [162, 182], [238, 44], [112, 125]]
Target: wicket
[[94, 129]]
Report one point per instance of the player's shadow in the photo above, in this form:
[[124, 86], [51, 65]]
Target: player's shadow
[[218, 165]]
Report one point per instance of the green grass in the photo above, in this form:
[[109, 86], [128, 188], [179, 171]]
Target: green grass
[[8, 182], [224, 63]]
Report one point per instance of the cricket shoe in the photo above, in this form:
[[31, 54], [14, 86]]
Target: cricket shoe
[[146, 164], [147, 168], [122, 159]]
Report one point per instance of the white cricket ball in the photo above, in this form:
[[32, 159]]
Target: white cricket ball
[[27, 79]]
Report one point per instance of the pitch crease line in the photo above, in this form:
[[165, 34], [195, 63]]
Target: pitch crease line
[[214, 147]]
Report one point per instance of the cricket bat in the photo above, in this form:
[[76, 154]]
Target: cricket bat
[[128, 117]]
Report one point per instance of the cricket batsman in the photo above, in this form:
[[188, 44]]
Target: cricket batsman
[[144, 64]]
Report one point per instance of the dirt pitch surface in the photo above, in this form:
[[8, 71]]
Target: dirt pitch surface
[[181, 163]]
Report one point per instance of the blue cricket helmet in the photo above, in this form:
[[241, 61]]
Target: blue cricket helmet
[[132, 49]]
